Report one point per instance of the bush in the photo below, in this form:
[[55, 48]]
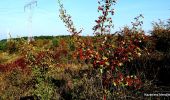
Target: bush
[[12, 46], [3, 45], [161, 32], [55, 42]]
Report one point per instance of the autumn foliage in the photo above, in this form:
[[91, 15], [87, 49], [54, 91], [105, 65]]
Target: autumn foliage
[[99, 67]]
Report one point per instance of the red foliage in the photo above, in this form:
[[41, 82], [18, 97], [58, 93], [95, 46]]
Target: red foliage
[[101, 52], [2, 68], [19, 63], [104, 22]]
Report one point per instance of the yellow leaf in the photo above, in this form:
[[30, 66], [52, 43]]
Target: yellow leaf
[[107, 63], [101, 70], [104, 58], [114, 83]]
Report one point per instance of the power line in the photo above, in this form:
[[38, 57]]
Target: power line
[[30, 6]]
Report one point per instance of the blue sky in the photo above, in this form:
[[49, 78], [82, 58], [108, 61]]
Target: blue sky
[[45, 20]]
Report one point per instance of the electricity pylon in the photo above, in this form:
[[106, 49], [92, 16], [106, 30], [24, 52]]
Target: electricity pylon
[[29, 7], [8, 35]]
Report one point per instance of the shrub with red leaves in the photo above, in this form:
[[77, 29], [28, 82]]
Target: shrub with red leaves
[[109, 52], [19, 63]]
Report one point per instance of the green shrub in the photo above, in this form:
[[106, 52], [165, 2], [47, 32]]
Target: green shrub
[[3, 45], [55, 42]]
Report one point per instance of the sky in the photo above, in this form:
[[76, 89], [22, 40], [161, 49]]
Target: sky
[[46, 21]]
